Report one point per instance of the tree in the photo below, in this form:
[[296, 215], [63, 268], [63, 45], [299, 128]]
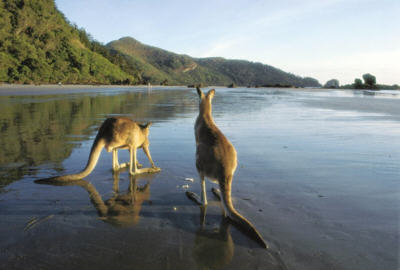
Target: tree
[[369, 80], [334, 83], [358, 84], [39, 45]]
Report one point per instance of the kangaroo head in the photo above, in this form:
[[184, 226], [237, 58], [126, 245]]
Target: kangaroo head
[[205, 100]]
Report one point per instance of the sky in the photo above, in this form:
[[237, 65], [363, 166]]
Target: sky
[[323, 39]]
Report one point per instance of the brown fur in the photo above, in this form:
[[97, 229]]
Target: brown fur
[[216, 160], [117, 133]]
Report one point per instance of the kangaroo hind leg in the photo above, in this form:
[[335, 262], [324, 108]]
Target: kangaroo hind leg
[[116, 165], [203, 189], [194, 197], [217, 193], [133, 165]]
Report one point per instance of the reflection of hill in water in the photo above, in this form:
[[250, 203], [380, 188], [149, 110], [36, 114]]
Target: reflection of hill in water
[[38, 130]]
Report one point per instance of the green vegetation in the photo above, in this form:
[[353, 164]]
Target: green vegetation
[[245, 73], [38, 45], [158, 65], [358, 84], [369, 83], [332, 84]]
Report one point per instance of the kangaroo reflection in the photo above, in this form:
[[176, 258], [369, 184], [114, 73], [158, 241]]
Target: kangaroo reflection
[[213, 248], [122, 209]]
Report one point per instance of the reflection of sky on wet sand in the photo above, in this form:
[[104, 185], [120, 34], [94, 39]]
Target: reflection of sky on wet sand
[[318, 176]]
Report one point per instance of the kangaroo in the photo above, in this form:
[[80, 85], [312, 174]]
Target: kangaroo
[[117, 133], [216, 160]]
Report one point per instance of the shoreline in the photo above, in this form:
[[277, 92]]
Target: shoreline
[[22, 87], [27, 89], [51, 89], [6, 86]]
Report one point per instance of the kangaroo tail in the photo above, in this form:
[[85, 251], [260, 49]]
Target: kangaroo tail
[[243, 224], [97, 146]]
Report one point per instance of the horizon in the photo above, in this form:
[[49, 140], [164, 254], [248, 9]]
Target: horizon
[[332, 39]]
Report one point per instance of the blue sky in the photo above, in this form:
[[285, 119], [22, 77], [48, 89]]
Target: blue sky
[[324, 39]]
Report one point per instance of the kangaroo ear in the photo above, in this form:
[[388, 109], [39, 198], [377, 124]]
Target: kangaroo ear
[[144, 126], [199, 92], [211, 94]]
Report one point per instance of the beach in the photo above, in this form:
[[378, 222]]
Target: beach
[[317, 176]]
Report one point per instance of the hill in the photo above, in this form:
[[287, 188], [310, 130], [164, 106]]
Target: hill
[[157, 65], [246, 73], [38, 45]]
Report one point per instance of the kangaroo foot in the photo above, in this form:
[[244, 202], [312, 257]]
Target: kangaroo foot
[[216, 192], [124, 165], [138, 165], [194, 197], [120, 167], [146, 170], [154, 169]]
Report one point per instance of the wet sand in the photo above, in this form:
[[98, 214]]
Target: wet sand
[[317, 175]]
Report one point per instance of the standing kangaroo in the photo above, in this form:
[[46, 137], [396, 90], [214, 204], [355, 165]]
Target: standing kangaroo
[[216, 159], [117, 133]]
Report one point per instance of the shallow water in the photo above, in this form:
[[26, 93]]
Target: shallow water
[[318, 175]]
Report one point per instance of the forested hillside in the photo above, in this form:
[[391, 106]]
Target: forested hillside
[[247, 73], [157, 65], [38, 45], [161, 66]]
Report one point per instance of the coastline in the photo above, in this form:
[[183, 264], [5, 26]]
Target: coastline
[[5, 88], [51, 89], [56, 86], [13, 89]]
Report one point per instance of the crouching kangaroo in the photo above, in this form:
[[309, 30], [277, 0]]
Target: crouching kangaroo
[[216, 160], [117, 133]]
